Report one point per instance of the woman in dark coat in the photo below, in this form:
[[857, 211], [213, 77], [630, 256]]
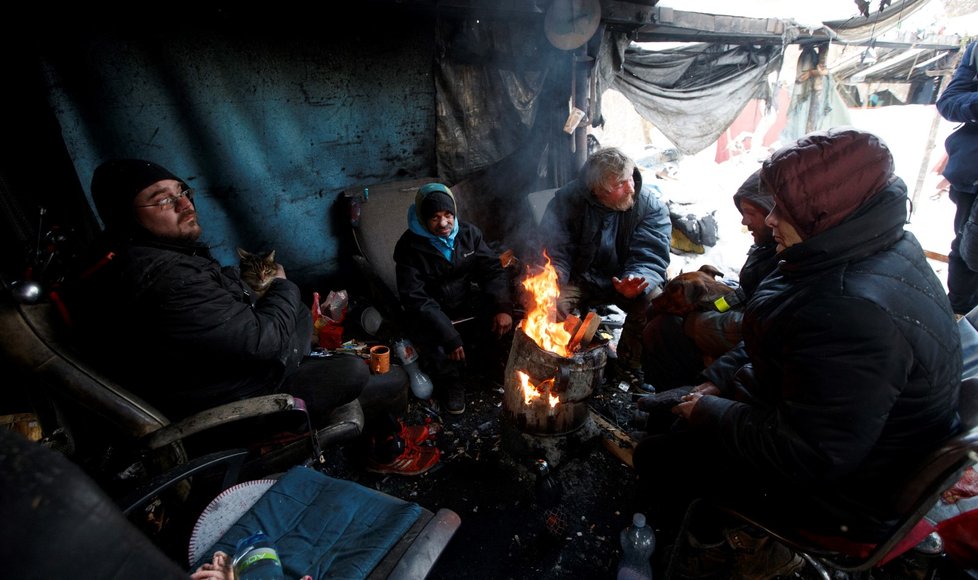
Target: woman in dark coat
[[850, 368]]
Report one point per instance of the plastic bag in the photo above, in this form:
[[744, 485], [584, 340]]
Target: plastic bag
[[327, 318]]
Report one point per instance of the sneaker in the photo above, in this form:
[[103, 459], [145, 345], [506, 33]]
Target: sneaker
[[418, 434], [455, 400], [414, 460]]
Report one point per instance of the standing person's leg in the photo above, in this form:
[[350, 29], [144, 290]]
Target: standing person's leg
[[962, 281]]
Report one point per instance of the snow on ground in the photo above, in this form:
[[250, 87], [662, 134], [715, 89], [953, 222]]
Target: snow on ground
[[699, 185]]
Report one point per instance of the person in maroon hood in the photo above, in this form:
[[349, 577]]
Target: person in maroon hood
[[850, 365]]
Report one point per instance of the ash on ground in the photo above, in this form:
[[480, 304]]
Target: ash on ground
[[510, 528]]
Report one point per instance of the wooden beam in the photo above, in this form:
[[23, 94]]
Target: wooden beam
[[615, 441]]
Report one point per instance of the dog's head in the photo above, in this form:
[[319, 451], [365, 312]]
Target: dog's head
[[690, 292]]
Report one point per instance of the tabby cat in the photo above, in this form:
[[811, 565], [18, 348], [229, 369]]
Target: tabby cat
[[257, 270]]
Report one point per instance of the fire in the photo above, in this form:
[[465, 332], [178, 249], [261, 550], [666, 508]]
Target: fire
[[531, 392], [541, 323]]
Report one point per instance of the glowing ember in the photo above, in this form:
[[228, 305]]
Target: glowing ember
[[532, 392], [541, 323]]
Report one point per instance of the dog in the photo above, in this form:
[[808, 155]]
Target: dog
[[690, 292]]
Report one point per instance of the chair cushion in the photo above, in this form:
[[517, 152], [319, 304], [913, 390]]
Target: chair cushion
[[323, 525]]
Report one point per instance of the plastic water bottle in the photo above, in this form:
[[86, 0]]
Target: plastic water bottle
[[421, 386], [255, 558], [637, 545]]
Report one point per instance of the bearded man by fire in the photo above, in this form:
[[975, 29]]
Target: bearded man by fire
[[608, 238]]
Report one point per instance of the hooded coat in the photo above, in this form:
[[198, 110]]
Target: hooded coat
[[851, 362], [435, 276], [580, 231], [717, 332]]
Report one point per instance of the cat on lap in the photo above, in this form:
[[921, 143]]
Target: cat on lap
[[258, 270]]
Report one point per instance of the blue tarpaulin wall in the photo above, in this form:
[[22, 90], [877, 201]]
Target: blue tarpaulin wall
[[269, 121]]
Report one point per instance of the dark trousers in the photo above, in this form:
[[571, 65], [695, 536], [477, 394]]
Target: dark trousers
[[679, 465], [326, 383], [670, 358], [483, 351], [581, 296], [962, 281]]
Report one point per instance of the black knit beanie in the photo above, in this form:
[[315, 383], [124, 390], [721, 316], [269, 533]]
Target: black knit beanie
[[116, 183], [435, 201]]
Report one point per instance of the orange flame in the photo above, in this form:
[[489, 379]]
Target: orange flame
[[541, 323], [531, 392]]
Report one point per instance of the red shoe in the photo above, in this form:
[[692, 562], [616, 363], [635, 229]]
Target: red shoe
[[418, 434], [414, 460]]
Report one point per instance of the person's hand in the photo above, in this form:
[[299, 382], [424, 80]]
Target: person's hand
[[502, 323], [457, 354], [685, 407], [707, 388], [663, 400], [631, 286], [219, 568], [279, 271]]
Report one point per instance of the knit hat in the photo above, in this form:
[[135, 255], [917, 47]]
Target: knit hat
[[822, 178], [432, 198], [753, 190], [116, 183]]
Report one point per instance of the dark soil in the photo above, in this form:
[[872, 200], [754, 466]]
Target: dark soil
[[504, 531], [509, 529]]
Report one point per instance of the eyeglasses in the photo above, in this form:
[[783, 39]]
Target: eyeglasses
[[170, 201]]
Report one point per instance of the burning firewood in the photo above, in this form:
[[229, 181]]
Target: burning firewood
[[582, 336]]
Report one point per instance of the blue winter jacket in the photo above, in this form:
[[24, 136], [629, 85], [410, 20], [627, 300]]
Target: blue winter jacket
[[579, 230], [959, 103]]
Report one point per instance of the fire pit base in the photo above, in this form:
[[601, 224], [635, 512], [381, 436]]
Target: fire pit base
[[554, 448]]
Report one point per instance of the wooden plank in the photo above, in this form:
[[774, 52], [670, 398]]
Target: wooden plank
[[571, 324], [615, 441], [935, 256], [575, 340], [584, 333]]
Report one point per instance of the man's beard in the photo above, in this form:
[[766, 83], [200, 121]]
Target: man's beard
[[763, 238], [625, 203], [190, 230]]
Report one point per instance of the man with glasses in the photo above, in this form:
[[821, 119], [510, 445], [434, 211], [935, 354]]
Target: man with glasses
[[608, 238], [183, 331]]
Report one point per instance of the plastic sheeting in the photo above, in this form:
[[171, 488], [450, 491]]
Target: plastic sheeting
[[489, 80], [815, 103], [692, 94], [865, 28]]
